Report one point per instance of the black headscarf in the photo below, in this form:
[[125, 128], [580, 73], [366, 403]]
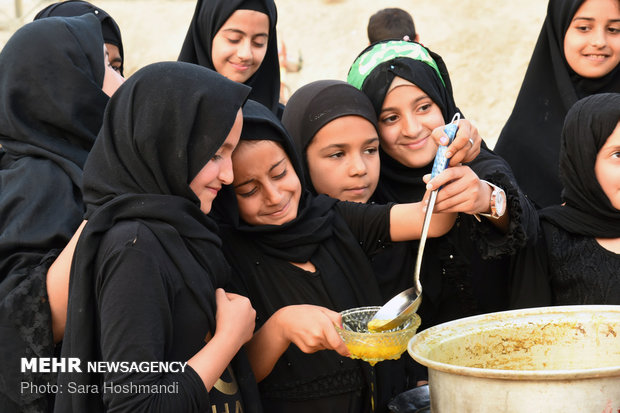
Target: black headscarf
[[373, 72], [70, 8], [51, 108], [297, 240], [530, 140], [261, 256], [315, 105], [162, 123], [588, 211], [209, 17]]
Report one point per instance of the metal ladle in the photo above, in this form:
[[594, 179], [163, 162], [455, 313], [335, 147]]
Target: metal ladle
[[402, 306]]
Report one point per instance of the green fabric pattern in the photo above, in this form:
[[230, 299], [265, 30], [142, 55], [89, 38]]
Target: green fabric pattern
[[383, 52]]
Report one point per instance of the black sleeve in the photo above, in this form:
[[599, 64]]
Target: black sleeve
[[530, 286], [523, 217], [136, 325], [369, 223]]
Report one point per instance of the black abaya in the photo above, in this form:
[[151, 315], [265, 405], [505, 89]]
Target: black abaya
[[530, 140], [337, 237], [565, 265], [148, 256], [51, 108]]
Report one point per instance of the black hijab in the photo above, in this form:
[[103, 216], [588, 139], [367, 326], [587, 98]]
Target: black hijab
[[261, 256], [209, 17], [51, 108], [70, 8], [294, 241], [315, 105], [373, 72], [530, 140], [160, 128], [588, 211]]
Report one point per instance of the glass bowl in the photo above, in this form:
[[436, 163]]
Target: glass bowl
[[373, 347]]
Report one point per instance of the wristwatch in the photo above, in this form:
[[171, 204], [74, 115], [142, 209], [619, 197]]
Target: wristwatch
[[498, 202]]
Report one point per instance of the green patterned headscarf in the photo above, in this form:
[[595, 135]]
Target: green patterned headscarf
[[383, 52], [376, 67]]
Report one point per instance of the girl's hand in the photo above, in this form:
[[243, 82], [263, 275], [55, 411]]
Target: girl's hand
[[461, 191], [311, 328], [466, 144], [235, 316]]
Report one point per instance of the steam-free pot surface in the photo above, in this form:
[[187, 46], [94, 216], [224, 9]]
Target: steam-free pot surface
[[550, 359]]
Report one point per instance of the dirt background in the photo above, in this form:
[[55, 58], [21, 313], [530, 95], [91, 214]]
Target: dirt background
[[486, 44]]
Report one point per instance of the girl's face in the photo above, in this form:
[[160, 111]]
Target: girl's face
[[239, 46], [218, 171], [592, 41], [112, 80], [114, 56], [607, 167], [343, 159], [267, 187], [406, 121]]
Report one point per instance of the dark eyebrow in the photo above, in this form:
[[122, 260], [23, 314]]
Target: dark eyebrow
[[227, 145], [342, 145], [241, 32], [275, 165], [415, 101], [583, 18], [590, 19]]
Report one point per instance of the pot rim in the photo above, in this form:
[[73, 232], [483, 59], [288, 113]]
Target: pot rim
[[436, 333]]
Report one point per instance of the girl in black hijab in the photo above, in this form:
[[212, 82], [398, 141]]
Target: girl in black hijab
[[462, 272], [530, 140], [147, 272], [110, 30], [576, 257], [53, 75], [333, 126], [215, 39], [301, 259]]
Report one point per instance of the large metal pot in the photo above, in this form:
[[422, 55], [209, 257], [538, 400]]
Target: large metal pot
[[551, 359]]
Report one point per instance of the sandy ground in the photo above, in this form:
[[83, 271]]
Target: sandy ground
[[486, 44]]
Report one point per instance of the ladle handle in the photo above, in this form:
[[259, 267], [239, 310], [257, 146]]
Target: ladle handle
[[441, 162], [439, 165]]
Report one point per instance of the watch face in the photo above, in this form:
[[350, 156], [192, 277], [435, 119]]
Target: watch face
[[500, 202]]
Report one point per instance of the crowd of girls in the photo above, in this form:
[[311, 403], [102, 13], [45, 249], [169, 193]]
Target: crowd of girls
[[190, 217]]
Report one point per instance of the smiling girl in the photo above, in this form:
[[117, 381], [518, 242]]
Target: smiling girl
[[237, 38], [575, 259], [301, 259], [466, 271], [577, 55], [148, 273]]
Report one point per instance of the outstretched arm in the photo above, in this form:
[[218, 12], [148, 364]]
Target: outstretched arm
[[406, 221], [309, 327]]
